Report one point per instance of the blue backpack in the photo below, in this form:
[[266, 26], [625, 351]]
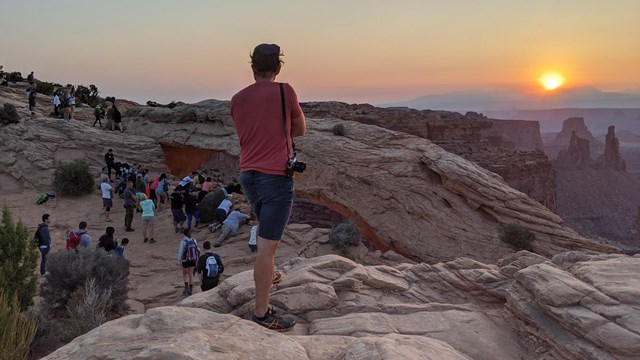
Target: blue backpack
[[212, 266]]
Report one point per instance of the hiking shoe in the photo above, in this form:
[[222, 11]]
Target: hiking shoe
[[274, 322], [177, 229], [151, 241], [130, 230], [216, 245], [190, 291], [277, 278], [146, 239], [186, 290]]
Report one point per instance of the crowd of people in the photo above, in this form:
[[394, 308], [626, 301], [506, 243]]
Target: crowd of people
[[259, 111]]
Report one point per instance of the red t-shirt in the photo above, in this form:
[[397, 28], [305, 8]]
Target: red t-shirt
[[257, 116]]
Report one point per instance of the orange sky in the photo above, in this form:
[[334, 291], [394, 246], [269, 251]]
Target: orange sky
[[354, 51]]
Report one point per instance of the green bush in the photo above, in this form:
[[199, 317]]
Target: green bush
[[18, 261], [69, 272], [73, 179], [88, 95], [45, 88], [9, 115], [516, 235], [344, 235], [16, 329], [14, 76], [338, 130]]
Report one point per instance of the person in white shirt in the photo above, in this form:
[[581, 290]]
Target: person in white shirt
[[56, 103], [107, 198]]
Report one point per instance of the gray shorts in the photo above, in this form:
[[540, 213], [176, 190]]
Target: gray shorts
[[107, 204], [271, 198], [148, 219]]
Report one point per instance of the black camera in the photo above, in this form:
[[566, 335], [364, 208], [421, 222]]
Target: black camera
[[295, 165]]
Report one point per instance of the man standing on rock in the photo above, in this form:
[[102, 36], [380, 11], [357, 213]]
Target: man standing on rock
[[44, 242], [129, 204], [265, 135], [110, 162]]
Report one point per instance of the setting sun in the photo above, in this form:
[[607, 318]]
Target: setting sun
[[551, 81]]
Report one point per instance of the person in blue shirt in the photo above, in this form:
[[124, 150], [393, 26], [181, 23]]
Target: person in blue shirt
[[230, 226], [120, 248]]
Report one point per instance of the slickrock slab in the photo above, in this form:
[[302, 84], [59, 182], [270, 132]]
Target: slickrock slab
[[587, 305]]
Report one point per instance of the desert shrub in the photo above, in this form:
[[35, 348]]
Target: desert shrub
[[14, 76], [16, 329], [73, 179], [45, 88], [338, 130], [69, 271], [88, 306], [9, 115], [88, 95], [18, 261], [516, 235], [209, 204], [344, 235]]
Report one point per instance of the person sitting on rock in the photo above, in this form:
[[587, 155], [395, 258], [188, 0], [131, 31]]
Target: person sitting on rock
[[230, 226]]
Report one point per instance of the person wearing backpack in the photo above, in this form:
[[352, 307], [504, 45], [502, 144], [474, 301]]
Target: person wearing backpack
[[43, 238], [97, 112], [85, 239], [209, 267], [79, 238], [188, 255]]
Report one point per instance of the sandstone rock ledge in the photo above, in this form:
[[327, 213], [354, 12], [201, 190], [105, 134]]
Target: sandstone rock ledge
[[575, 306]]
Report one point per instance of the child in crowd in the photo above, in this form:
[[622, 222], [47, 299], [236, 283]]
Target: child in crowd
[[120, 248]]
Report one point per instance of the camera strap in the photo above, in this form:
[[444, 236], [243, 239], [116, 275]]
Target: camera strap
[[284, 124]]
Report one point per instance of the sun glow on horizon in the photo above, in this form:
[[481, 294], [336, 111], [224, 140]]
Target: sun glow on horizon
[[551, 80]]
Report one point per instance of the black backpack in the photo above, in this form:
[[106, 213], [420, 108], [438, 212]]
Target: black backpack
[[37, 237], [116, 114]]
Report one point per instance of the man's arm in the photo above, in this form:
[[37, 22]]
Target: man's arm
[[298, 126]]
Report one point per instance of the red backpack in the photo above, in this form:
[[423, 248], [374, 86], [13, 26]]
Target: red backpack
[[154, 184], [73, 240]]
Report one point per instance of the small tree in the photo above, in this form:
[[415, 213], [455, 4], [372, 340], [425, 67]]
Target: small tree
[[14, 76], [518, 236], [18, 261], [73, 179], [45, 88], [16, 329]]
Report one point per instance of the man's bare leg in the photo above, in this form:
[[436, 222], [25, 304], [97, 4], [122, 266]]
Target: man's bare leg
[[263, 273]]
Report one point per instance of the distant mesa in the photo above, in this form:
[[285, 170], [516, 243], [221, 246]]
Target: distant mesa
[[486, 101], [570, 127], [577, 154]]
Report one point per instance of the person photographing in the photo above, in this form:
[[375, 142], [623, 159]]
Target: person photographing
[[267, 116]]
